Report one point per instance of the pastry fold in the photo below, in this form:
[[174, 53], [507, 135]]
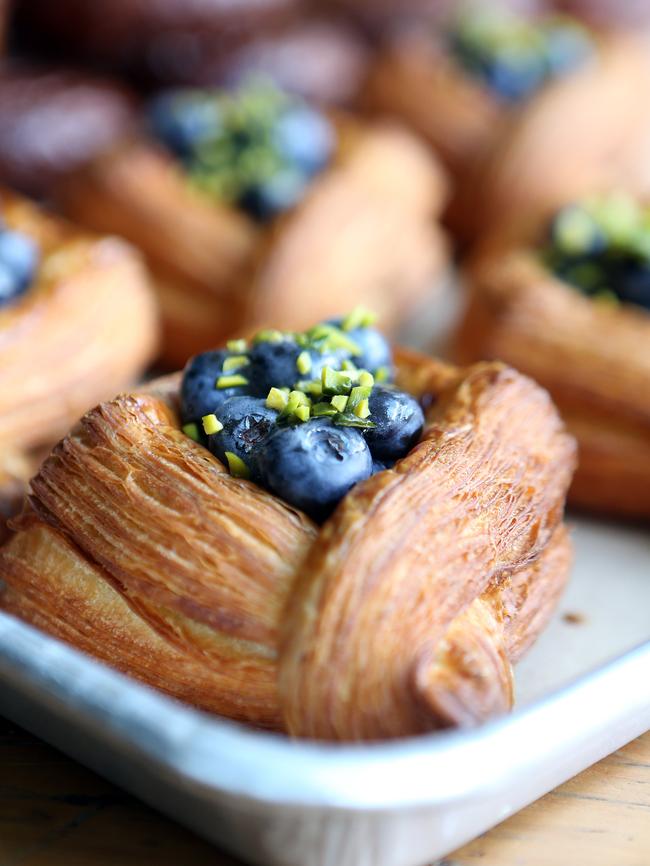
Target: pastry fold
[[85, 328], [364, 233], [594, 358], [401, 614]]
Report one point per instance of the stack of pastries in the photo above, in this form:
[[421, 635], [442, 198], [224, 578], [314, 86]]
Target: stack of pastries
[[307, 527]]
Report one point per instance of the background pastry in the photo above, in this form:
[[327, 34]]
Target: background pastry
[[571, 307], [77, 322]]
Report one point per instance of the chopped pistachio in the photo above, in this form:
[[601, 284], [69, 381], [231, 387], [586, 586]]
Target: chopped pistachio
[[349, 419], [238, 346], [231, 381], [235, 362], [277, 399], [192, 431], [237, 466], [360, 317], [330, 338], [358, 395], [211, 424], [297, 398], [366, 379], [304, 363], [302, 413], [362, 410], [320, 409], [348, 365], [312, 387], [270, 335], [382, 374], [335, 382], [340, 401]]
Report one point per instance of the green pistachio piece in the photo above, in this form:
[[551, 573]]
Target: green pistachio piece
[[269, 335], [335, 382], [192, 431], [277, 399], [302, 413], [359, 317], [211, 424], [348, 419], [304, 363], [366, 379], [358, 395], [237, 467], [575, 230], [340, 401], [231, 381], [330, 338], [349, 365], [235, 362], [320, 409], [362, 410], [237, 346], [382, 374]]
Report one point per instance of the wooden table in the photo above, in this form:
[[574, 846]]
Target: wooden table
[[53, 812]]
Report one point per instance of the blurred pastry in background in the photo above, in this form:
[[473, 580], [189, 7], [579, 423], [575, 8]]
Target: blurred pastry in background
[[77, 322], [610, 13], [252, 206], [151, 41], [464, 86], [53, 120], [570, 306]]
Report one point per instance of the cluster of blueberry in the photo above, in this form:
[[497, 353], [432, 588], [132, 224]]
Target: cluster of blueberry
[[306, 415], [19, 257], [602, 246], [257, 147], [515, 56]]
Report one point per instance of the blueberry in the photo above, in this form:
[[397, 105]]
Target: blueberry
[[566, 47], [199, 393], [278, 193], [275, 365], [19, 254], [398, 421], [631, 282], [182, 120], [247, 421], [514, 77], [313, 465], [375, 348], [304, 138], [9, 285]]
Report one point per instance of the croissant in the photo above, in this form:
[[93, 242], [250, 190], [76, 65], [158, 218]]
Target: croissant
[[507, 159], [85, 326], [592, 357], [402, 613], [364, 232]]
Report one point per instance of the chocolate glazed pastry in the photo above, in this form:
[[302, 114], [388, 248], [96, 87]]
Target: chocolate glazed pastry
[[239, 604], [348, 219], [323, 59], [572, 309], [53, 121], [77, 322], [157, 41]]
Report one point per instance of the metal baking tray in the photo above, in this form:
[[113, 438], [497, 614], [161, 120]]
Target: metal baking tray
[[583, 692]]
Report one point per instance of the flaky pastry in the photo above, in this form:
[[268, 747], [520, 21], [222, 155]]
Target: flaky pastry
[[365, 232], [593, 357], [401, 614], [86, 326]]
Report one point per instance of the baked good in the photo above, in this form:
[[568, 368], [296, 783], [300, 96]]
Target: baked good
[[77, 321], [304, 232], [570, 306], [152, 41], [53, 120], [240, 604], [515, 109]]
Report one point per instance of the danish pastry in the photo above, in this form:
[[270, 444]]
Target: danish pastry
[[506, 101], [77, 321], [241, 604], [243, 225], [572, 309]]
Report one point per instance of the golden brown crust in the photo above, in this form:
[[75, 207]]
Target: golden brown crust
[[141, 549], [364, 232], [86, 327], [593, 358]]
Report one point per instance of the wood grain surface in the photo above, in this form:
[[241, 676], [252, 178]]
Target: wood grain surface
[[53, 812]]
